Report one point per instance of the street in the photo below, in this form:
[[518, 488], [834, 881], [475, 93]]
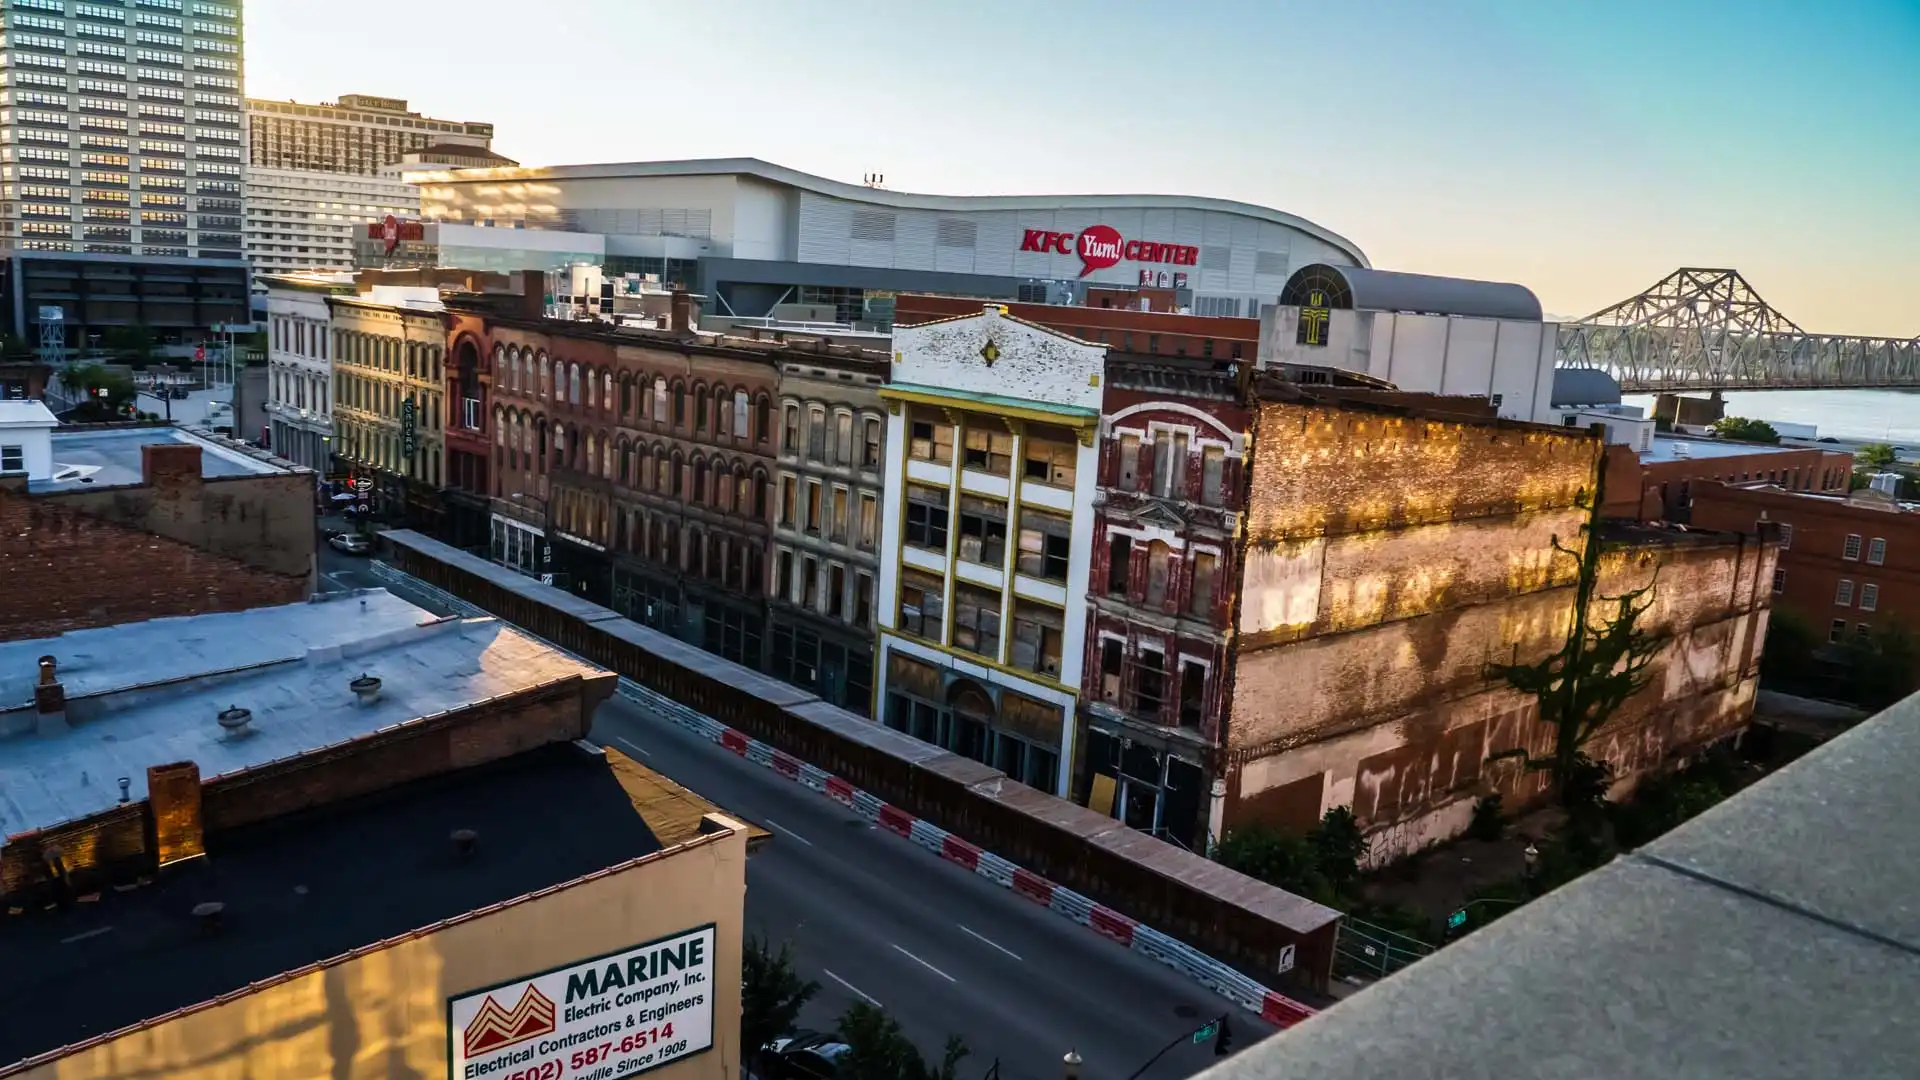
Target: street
[[943, 950]]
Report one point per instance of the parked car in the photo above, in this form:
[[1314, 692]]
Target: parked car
[[351, 542], [803, 1055]]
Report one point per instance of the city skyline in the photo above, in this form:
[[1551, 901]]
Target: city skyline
[[1576, 153]]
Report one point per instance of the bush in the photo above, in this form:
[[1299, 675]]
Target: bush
[[1745, 430], [1323, 866], [1487, 824]]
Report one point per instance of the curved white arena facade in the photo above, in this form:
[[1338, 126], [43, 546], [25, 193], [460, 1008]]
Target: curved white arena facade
[[752, 235]]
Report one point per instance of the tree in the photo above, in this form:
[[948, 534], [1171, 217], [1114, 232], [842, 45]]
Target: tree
[[102, 393], [1789, 658], [1879, 455], [772, 994], [1884, 665], [1323, 865], [1745, 430], [1580, 685], [877, 1050]]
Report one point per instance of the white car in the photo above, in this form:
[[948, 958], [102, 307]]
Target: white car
[[352, 543]]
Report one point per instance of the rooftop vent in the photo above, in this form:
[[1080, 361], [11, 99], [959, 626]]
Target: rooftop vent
[[235, 719], [366, 688], [464, 841], [210, 913], [126, 783]]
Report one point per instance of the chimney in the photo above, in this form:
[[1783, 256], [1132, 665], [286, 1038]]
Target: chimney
[[173, 797], [169, 463], [49, 701], [682, 317]]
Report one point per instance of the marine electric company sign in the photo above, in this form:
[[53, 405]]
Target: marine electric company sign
[[1101, 246], [614, 1016]]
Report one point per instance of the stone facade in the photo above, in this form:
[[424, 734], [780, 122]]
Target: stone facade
[[389, 400]]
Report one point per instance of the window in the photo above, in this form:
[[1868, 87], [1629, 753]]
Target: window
[[843, 438], [869, 520], [1111, 652], [700, 409], [983, 530], [840, 514], [1200, 600], [1843, 594], [1869, 597], [1159, 569], [1049, 454], [920, 604], [1779, 580], [1213, 462], [930, 436], [659, 401], [836, 592], [1129, 478], [989, 449], [1170, 464], [976, 620], [1852, 550], [740, 419], [1836, 630], [927, 517], [783, 585], [810, 583], [790, 442], [1877, 551], [679, 405], [862, 599], [786, 501], [1149, 684], [1046, 542], [870, 449], [817, 434], [812, 524], [1039, 632], [1119, 565], [13, 458]]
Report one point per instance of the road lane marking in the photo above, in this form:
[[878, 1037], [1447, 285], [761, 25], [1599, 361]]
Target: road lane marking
[[96, 933], [923, 964], [983, 938], [777, 827], [629, 744], [855, 989], [334, 576]]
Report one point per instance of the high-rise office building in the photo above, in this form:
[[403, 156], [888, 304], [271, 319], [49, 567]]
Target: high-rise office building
[[358, 134], [121, 127]]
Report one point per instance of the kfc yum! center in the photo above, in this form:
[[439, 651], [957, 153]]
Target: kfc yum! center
[[757, 239]]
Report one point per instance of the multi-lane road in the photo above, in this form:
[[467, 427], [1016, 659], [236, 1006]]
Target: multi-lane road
[[872, 916]]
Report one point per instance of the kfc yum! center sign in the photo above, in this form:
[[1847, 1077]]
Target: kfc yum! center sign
[[1101, 246]]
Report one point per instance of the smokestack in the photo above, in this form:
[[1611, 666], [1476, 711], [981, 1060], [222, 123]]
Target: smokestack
[[49, 700], [681, 319]]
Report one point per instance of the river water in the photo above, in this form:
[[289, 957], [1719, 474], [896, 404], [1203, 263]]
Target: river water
[[1873, 415]]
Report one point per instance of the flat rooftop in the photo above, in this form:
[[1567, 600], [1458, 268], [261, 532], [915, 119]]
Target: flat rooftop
[[309, 888], [147, 693], [1664, 448], [110, 457]]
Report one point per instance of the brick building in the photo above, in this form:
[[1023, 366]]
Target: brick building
[[1392, 548], [1160, 590], [1848, 563], [111, 523], [277, 766], [1658, 482], [22, 378], [1122, 329]]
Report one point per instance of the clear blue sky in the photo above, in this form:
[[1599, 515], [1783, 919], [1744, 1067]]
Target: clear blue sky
[[1583, 149]]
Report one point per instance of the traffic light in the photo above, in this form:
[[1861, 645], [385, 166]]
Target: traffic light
[[1223, 1042]]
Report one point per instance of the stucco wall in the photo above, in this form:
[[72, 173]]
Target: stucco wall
[[383, 1011]]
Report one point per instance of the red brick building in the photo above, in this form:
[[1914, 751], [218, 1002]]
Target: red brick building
[[1161, 590], [1124, 330], [1658, 484], [1848, 563]]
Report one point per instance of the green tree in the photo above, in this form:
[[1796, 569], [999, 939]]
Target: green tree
[[877, 1050], [1884, 666], [772, 994], [103, 393], [1323, 865], [1789, 658], [1879, 455], [1580, 685], [1745, 430]]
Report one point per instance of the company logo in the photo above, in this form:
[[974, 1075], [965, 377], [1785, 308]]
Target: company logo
[[1102, 246], [494, 1027], [393, 230]]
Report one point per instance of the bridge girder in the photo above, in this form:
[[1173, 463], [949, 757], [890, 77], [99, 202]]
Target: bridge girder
[[1704, 329]]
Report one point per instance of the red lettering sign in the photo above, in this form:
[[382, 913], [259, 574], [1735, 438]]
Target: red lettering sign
[[1102, 246]]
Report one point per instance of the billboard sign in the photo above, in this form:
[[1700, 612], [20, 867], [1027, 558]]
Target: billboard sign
[[1102, 246], [616, 1015], [409, 436]]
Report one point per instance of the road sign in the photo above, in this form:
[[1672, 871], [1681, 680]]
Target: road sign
[[199, 354], [362, 484], [1457, 920], [1205, 1031]]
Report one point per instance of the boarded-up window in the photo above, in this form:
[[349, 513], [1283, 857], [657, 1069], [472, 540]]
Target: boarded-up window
[[913, 676], [1038, 633], [1159, 567], [1129, 463], [1213, 464], [1200, 600]]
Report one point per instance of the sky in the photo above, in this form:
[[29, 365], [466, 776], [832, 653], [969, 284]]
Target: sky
[[1583, 149]]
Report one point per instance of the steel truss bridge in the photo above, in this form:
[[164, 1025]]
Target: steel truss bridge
[[1708, 330]]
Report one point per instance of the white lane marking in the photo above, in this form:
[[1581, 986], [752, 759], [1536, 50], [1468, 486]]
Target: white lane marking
[[629, 744], [923, 964], [976, 935], [85, 936], [777, 827], [855, 989], [334, 576]]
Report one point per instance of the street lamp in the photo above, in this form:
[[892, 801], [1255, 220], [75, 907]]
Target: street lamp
[[1070, 1065], [1532, 856]]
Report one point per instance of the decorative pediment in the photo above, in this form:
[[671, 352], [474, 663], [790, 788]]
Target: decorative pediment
[[1162, 514]]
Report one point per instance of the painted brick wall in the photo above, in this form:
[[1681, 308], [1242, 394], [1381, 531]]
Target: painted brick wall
[[64, 566]]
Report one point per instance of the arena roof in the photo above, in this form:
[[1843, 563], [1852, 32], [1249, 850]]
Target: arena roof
[[779, 174], [1364, 289]]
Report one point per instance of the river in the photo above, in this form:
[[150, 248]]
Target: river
[[1872, 415]]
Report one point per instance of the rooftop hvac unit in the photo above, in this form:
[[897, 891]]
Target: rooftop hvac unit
[[1886, 483], [1681, 450]]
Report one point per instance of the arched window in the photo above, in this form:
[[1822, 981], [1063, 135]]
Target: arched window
[[742, 490], [721, 414], [606, 456], [762, 418], [700, 480], [626, 397], [546, 377], [588, 391], [662, 467], [699, 408], [759, 495], [573, 384], [626, 463], [679, 404], [606, 390], [679, 473], [499, 358]]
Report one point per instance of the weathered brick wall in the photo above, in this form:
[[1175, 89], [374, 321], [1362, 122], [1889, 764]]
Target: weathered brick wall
[[64, 566]]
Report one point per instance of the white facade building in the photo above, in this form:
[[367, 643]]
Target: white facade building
[[123, 131], [300, 366], [298, 219], [26, 439], [751, 235], [986, 542]]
